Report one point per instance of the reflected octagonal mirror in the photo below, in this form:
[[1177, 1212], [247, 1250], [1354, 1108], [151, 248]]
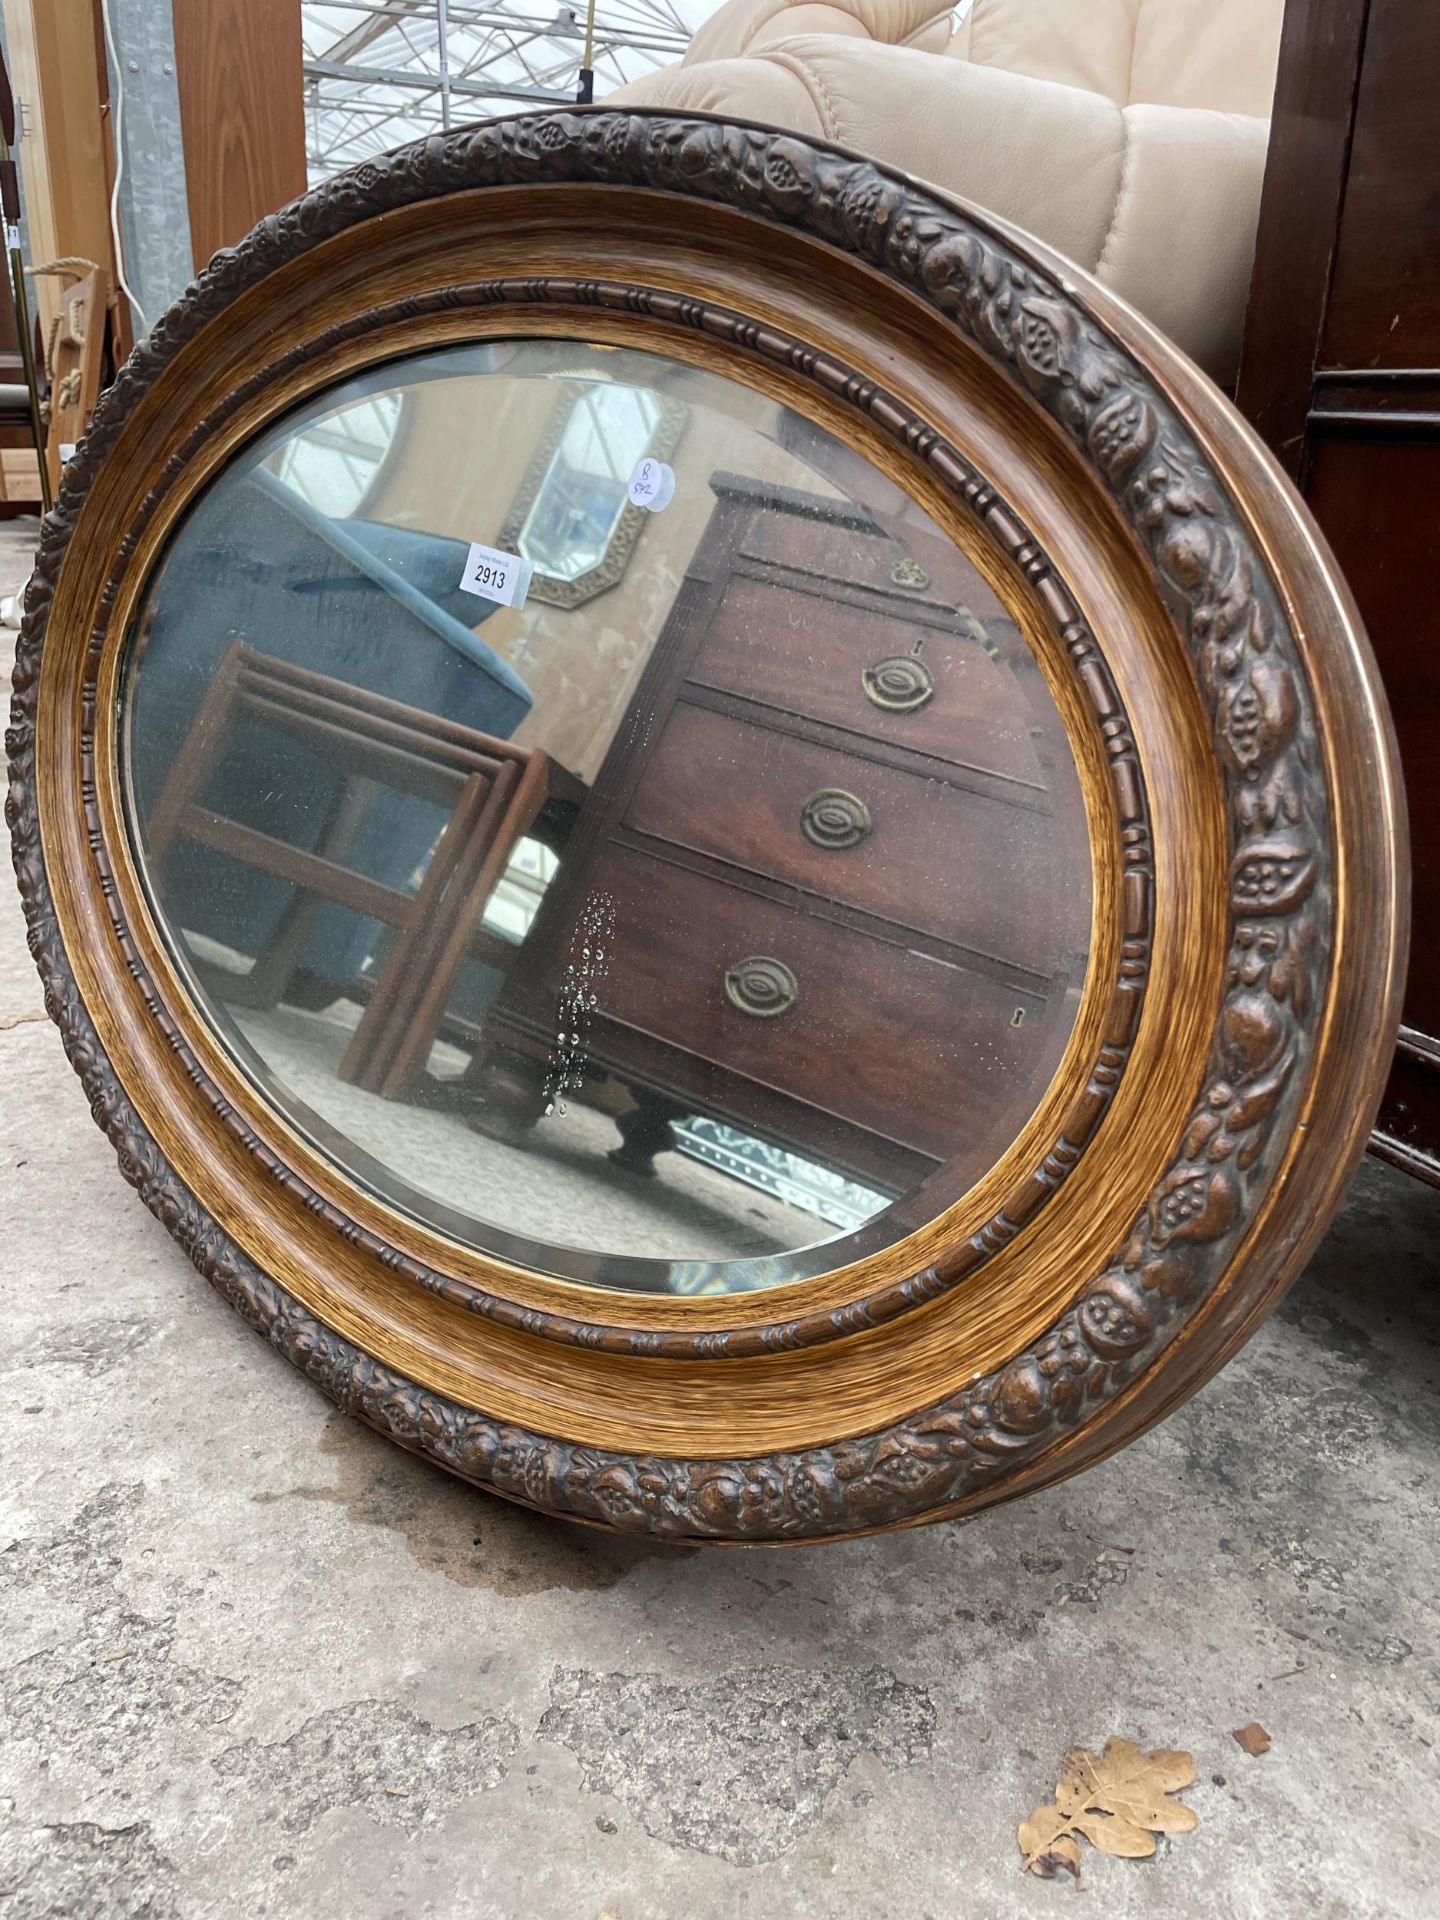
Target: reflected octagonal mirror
[[806, 995]]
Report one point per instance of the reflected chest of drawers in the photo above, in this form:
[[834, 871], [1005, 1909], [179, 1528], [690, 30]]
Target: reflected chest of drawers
[[829, 884]]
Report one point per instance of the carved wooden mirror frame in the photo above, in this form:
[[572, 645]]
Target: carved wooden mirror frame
[[1236, 758]]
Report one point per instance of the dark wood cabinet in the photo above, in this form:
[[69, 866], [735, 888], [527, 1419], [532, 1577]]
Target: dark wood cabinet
[[1341, 373], [837, 843]]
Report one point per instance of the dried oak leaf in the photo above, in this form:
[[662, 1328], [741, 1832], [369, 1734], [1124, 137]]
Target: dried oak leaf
[[1119, 1800], [1059, 1855]]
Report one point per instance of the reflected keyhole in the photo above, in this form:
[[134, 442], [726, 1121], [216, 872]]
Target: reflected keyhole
[[1017, 1019]]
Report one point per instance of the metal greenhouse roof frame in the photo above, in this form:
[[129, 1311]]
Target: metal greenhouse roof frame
[[379, 72]]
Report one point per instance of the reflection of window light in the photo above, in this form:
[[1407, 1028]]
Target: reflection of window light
[[518, 892], [332, 463], [582, 495]]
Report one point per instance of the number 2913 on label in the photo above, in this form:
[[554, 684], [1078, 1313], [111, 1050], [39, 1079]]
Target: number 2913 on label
[[492, 575]]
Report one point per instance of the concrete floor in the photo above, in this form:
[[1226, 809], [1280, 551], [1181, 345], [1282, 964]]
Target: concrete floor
[[253, 1660]]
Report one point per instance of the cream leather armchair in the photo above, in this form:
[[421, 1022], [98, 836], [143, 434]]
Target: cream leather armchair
[[1129, 134]]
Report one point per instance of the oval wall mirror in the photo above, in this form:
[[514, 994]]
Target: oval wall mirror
[[713, 837]]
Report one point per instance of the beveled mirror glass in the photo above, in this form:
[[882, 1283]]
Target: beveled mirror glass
[[663, 939]]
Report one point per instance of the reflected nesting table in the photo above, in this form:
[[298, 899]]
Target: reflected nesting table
[[495, 791]]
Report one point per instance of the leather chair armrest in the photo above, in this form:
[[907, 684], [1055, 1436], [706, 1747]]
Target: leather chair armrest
[[1160, 203], [745, 26], [1045, 157], [1181, 245]]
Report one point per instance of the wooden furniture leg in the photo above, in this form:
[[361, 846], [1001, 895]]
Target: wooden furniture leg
[[367, 1055], [645, 1132], [519, 805], [268, 978], [193, 762], [503, 1097]]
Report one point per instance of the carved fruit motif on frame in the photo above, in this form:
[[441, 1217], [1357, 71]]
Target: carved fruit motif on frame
[[1244, 662]]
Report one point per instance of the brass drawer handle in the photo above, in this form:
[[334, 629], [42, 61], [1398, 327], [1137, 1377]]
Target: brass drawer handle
[[900, 684], [909, 575], [761, 987], [834, 818]]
